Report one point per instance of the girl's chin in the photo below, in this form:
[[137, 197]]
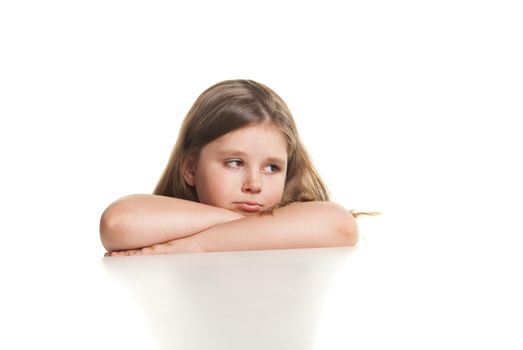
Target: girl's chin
[[245, 213]]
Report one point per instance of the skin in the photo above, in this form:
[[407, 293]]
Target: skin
[[236, 177], [241, 168]]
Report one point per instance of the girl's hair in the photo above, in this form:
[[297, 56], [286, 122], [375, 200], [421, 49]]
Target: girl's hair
[[231, 105]]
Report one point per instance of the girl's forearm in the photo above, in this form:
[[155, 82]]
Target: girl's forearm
[[144, 220], [300, 225]]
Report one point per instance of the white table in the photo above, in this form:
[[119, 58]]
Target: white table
[[325, 298]]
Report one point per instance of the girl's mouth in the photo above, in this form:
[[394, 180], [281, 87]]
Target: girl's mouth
[[248, 206]]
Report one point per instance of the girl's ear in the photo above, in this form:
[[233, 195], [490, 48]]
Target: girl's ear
[[188, 170]]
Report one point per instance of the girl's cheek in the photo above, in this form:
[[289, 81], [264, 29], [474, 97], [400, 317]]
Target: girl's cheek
[[277, 192]]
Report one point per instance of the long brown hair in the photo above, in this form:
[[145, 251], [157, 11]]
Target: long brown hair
[[230, 105]]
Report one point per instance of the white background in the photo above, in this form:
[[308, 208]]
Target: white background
[[407, 107]]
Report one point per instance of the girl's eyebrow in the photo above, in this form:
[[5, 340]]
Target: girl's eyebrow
[[232, 153]]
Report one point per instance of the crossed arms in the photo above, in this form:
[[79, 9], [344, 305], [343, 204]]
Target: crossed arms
[[151, 224]]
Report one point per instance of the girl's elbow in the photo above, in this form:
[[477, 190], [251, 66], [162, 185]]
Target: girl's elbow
[[348, 230], [108, 227], [346, 227], [113, 226]]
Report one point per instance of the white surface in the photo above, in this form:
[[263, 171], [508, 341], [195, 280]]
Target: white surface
[[325, 298], [411, 108]]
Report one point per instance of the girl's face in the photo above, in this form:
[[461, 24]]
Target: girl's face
[[243, 171]]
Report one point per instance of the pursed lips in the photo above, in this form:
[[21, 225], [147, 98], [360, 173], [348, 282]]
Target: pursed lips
[[249, 203], [248, 206]]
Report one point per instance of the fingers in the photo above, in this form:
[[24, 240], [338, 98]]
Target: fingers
[[162, 248], [124, 252]]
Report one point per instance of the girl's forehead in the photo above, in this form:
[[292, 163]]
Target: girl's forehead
[[253, 139]]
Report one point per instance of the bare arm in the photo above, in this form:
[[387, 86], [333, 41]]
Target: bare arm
[[299, 225], [143, 220]]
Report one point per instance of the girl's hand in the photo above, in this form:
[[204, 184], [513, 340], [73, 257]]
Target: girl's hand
[[181, 245]]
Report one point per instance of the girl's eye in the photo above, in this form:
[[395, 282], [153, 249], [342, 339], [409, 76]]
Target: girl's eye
[[234, 163], [271, 168]]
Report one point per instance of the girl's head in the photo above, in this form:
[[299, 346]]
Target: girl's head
[[238, 148]]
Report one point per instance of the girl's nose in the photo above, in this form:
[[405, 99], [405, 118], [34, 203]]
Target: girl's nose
[[252, 183]]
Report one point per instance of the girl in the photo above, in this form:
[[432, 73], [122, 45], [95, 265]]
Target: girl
[[238, 178]]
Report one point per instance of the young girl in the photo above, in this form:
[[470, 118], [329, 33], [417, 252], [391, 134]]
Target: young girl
[[238, 178]]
